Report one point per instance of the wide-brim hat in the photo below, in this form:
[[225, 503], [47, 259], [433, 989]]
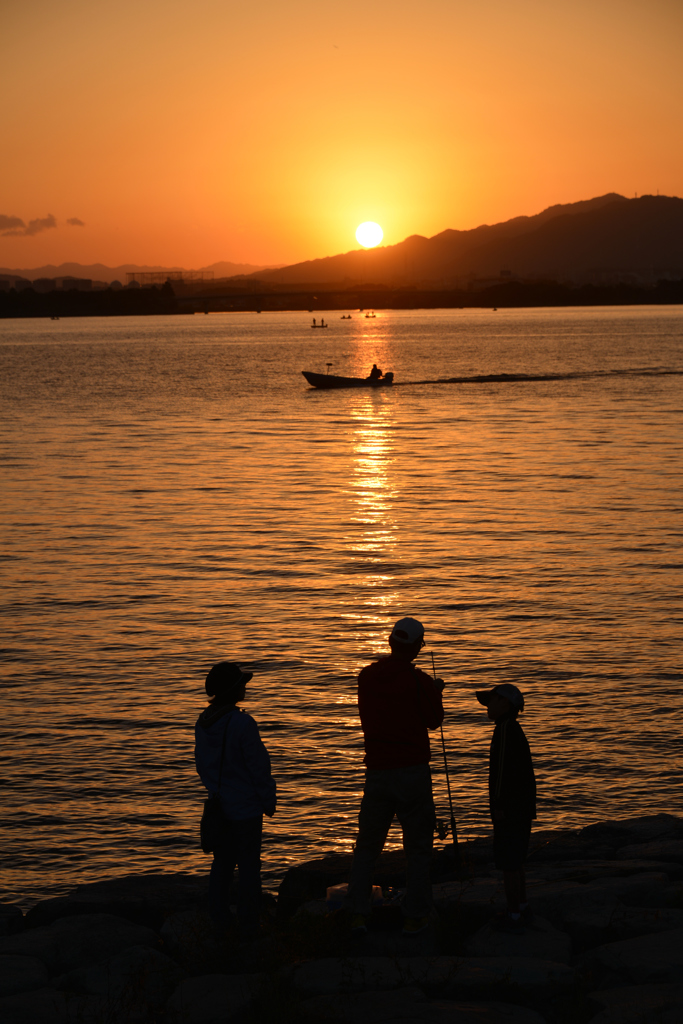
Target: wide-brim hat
[[226, 675]]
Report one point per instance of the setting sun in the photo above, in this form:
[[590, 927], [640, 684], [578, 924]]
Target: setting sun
[[369, 234]]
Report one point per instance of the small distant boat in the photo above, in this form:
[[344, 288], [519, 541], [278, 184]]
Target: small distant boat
[[369, 316], [330, 380], [345, 317], [54, 318], [321, 324]]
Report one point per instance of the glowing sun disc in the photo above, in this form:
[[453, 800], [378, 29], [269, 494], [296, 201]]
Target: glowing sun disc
[[369, 234]]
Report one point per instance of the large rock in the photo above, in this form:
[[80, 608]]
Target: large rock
[[194, 940], [142, 899], [471, 902], [78, 941], [630, 831], [11, 919], [605, 923], [140, 978], [556, 900], [409, 1006], [584, 871], [649, 958], [445, 974], [644, 1004], [21, 974], [212, 997], [565, 845], [47, 1006], [540, 941], [661, 849]]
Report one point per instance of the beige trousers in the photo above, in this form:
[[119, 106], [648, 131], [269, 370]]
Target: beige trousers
[[407, 794]]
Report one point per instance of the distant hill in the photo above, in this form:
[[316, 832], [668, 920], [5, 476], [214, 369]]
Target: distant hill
[[100, 272], [598, 240]]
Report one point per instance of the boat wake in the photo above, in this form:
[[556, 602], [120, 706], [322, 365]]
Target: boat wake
[[517, 378]]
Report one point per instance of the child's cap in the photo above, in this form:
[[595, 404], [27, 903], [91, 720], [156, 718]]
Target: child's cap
[[506, 690]]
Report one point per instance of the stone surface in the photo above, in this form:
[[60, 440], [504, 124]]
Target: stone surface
[[588, 870], [443, 973], [353, 974], [212, 997], [21, 974], [11, 919], [648, 958], [540, 940], [644, 1004], [46, 1006], [556, 900], [78, 941], [138, 977], [473, 901], [661, 849], [606, 923], [143, 899], [192, 938], [643, 829], [410, 1006]]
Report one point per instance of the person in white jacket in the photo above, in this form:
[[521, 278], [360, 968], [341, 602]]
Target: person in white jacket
[[233, 762]]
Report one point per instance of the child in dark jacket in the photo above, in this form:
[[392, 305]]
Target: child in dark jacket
[[512, 798]]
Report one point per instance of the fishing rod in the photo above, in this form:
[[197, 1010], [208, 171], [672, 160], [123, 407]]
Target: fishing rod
[[454, 830]]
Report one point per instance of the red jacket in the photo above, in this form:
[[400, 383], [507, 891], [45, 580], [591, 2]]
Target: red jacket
[[398, 704]]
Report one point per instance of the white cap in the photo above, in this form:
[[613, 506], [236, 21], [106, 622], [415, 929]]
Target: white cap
[[407, 631]]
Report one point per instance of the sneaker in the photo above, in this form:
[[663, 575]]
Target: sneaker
[[359, 926], [415, 925], [504, 923]]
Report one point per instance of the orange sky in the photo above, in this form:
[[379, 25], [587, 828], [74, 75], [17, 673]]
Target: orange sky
[[183, 134]]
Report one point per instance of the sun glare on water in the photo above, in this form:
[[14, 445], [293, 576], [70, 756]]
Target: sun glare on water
[[369, 234]]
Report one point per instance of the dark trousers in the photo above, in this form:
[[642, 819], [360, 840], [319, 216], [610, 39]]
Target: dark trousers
[[240, 847]]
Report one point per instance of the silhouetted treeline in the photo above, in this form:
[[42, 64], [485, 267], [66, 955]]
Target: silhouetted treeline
[[125, 302], [511, 294], [550, 293], [506, 294]]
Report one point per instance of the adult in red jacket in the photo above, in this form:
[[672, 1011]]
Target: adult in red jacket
[[398, 704]]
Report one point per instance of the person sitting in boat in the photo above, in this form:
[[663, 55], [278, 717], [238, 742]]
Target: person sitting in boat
[[375, 372]]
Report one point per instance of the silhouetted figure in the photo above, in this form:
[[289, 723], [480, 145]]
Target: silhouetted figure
[[375, 373], [512, 798], [314, 321], [397, 705], [232, 761]]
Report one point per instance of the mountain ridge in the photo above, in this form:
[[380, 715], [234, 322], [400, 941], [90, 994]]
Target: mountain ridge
[[571, 242], [102, 272]]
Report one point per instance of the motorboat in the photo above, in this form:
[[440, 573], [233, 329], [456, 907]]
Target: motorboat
[[326, 381]]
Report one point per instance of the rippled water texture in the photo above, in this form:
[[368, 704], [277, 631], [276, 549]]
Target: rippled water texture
[[175, 494]]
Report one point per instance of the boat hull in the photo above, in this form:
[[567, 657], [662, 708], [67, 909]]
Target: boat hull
[[326, 381]]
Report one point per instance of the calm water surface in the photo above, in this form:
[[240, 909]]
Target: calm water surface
[[174, 494]]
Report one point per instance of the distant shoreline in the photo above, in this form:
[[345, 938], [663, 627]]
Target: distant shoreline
[[163, 301]]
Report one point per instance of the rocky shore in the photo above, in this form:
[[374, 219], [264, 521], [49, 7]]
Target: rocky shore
[[605, 946]]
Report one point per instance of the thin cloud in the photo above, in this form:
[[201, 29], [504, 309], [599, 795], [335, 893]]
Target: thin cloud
[[41, 224], [76, 222], [15, 226], [10, 225]]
